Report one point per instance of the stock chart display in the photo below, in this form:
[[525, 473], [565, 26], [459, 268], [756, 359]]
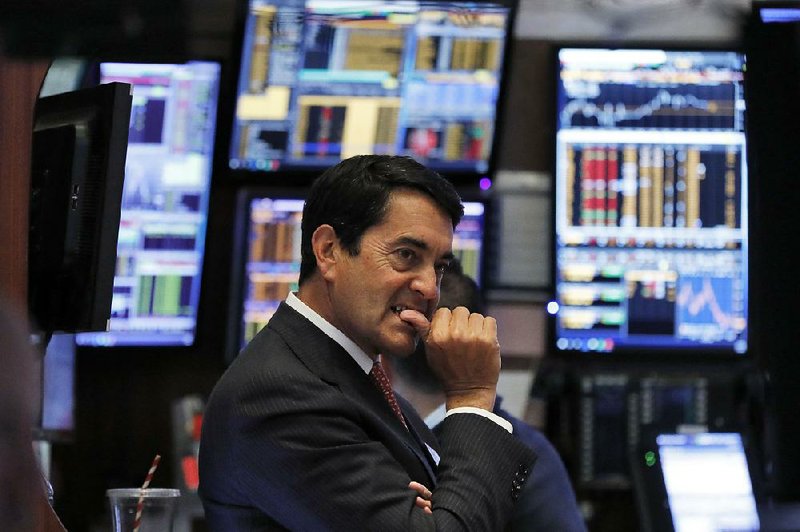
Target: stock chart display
[[164, 203], [651, 201], [323, 80]]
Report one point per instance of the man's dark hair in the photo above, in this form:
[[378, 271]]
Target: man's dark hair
[[353, 195], [458, 290]]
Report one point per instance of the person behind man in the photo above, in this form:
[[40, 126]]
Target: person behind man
[[303, 432], [547, 501]]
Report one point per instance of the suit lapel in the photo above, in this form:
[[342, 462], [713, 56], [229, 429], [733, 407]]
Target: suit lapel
[[331, 363], [417, 428]]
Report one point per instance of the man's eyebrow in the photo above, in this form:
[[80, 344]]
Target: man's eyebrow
[[421, 244], [411, 241]]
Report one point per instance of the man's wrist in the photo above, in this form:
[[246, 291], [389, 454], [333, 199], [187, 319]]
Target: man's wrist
[[482, 398]]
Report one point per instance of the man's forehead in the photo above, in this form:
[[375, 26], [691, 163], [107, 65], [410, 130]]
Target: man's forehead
[[416, 219], [399, 199]]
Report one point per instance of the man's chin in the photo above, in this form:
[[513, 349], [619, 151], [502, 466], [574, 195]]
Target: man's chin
[[402, 349]]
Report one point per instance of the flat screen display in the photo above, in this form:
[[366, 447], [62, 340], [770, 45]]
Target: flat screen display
[[267, 266], [774, 14], [707, 482], [322, 80], [164, 204], [57, 415], [651, 224]]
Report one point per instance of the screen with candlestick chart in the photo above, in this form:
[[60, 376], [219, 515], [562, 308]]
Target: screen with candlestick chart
[[651, 202]]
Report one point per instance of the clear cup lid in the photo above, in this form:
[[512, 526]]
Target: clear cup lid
[[146, 493]]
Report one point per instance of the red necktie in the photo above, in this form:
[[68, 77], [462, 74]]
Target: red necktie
[[380, 380]]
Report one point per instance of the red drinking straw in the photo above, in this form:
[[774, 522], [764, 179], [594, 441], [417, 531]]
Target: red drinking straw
[[140, 504]]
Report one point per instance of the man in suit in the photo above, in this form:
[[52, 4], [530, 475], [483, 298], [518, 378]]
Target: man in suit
[[547, 502], [302, 431]]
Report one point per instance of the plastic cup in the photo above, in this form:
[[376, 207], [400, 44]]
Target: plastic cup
[[157, 512]]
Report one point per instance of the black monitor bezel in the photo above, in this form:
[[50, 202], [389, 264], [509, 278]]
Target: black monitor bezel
[[75, 294]]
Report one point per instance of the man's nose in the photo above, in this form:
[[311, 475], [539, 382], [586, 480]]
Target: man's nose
[[426, 283]]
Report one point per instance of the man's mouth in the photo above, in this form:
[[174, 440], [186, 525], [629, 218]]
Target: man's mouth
[[397, 309]]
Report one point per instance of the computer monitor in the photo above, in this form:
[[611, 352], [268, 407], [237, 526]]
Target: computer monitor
[[321, 80], [651, 223], [65, 74], [165, 203], [771, 37], [267, 257], [697, 482], [56, 420], [619, 409], [77, 169], [607, 427]]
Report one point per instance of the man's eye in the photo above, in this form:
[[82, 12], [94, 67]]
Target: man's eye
[[406, 254]]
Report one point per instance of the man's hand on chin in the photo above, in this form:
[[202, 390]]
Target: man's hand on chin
[[463, 352]]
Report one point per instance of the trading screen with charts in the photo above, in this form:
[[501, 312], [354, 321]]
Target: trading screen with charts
[[164, 203], [321, 80], [651, 201]]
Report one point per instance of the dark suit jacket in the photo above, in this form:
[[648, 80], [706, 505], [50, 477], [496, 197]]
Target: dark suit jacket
[[547, 502], [295, 436]]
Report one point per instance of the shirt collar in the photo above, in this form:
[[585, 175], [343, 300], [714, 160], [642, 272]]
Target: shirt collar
[[362, 359], [436, 417]]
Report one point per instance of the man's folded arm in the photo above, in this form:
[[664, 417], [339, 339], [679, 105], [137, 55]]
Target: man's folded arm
[[320, 470]]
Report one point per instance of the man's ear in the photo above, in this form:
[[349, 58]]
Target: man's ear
[[326, 249]]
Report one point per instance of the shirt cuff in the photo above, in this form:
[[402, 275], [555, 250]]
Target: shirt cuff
[[481, 412]]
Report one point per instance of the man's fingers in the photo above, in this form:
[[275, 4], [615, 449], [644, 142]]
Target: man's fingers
[[425, 505], [417, 320], [490, 326], [423, 500], [421, 489]]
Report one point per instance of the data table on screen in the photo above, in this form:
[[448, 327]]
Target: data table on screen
[[651, 201], [165, 202]]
